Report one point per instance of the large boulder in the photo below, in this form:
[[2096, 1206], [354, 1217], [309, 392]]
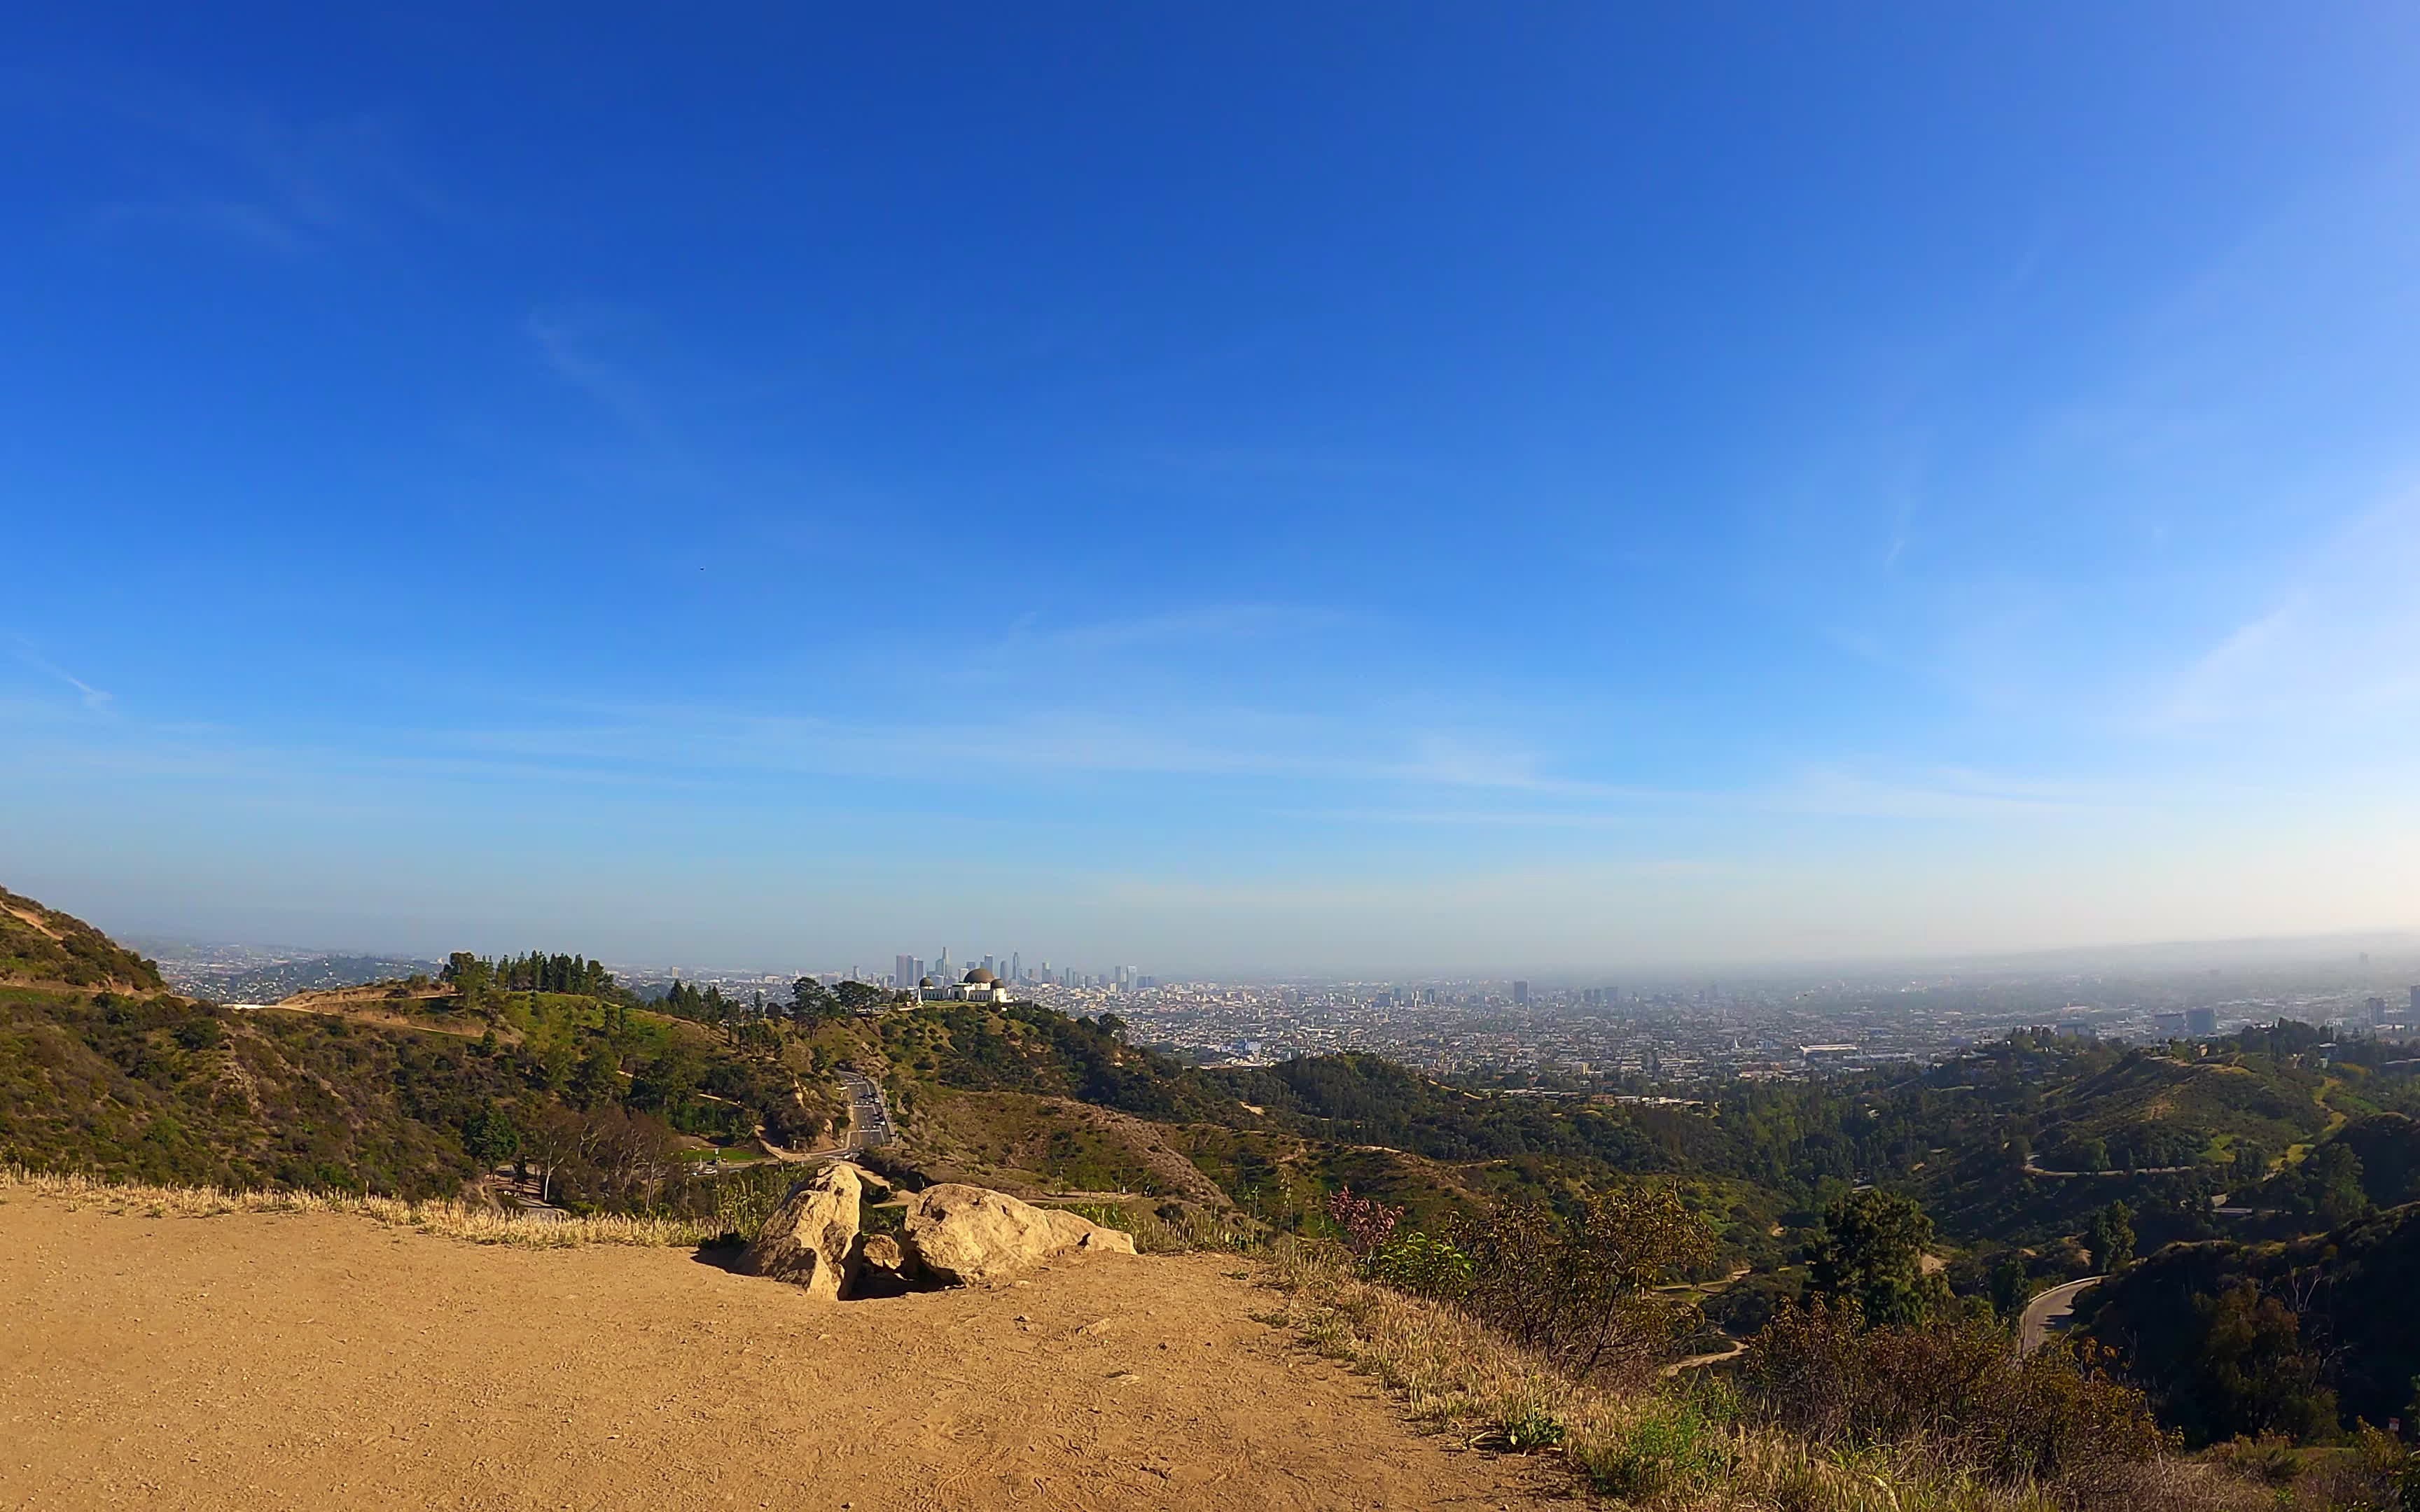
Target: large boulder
[[967, 1235], [811, 1239]]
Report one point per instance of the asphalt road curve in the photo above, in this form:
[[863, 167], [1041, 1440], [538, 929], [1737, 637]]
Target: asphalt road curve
[[2048, 1312]]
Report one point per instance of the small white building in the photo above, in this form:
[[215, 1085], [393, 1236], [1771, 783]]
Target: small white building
[[977, 986]]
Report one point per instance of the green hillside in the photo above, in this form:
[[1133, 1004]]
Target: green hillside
[[2151, 1110], [42, 947], [412, 1089], [166, 1089], [2277, 1337]]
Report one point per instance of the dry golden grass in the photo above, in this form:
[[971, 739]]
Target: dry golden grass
[[1673, 1448], [1198, 1228], [448, 1219]]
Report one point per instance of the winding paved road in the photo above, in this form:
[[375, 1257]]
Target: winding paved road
[[2049, 1311], [2032, 1169]]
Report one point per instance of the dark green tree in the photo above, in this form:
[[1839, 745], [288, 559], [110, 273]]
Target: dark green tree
[[2011, 1288], [664, 1083], [809, 1001], [2252, 1375], [2331, 1186], [491, 1137], [555, 1064], [854, 996], [598, 1082], [2251, 1164], [1870, 1254], [2111, 1239]]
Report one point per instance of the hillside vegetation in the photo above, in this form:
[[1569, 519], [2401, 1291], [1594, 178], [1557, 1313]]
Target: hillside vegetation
[[2024, 1162], [40, 947], [2287, 1338], [415, 1090]]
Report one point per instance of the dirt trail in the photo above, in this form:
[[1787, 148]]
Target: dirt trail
[[32, 920], [320, 1360]]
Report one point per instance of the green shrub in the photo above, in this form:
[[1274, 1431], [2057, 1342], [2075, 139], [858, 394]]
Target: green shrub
[[1955, 1394], [1423, 1264], [1672, 1447], [744, 1198], [1582, 1291]]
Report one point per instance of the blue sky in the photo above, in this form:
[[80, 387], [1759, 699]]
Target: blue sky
[[1375, 489]]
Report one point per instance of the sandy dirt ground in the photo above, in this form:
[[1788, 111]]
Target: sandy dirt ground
[[325, 1361]]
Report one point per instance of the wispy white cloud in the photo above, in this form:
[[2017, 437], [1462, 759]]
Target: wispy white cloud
[[989, 747], [91, 697], [1950, 796], [1262, 464], [1464, 818], [564, 343], [248, 176], [254, 227], [2339, 642], [1204, 625]]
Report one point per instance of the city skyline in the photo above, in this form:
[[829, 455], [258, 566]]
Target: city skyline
[[1446, 493]]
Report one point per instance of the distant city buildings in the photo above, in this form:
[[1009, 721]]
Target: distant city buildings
[[1008, 969]]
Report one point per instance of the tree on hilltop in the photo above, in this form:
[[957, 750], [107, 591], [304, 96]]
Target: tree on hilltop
[[853, 995], [810, 1000]]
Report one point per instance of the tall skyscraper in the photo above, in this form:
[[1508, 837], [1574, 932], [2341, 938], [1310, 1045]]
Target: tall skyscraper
[[1520, 995], [1016, 965], [903, 971], [2415, 1002]]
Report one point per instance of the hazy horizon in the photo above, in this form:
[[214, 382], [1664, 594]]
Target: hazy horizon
[[1452, 492], [2395, 950]]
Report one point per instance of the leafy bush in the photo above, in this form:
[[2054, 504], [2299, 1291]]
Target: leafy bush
[[745, 1196], [1956, 1393], [1672, 1444], [1423, 1264], [1581, 1293]]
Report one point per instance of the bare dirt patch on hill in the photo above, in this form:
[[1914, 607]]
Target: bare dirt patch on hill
[[312, 1360]]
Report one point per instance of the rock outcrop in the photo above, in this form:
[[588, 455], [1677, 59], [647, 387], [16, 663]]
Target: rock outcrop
[[881, 1268], [953, 1236], [967, 1235], [882, 1251], [811, 1239]]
